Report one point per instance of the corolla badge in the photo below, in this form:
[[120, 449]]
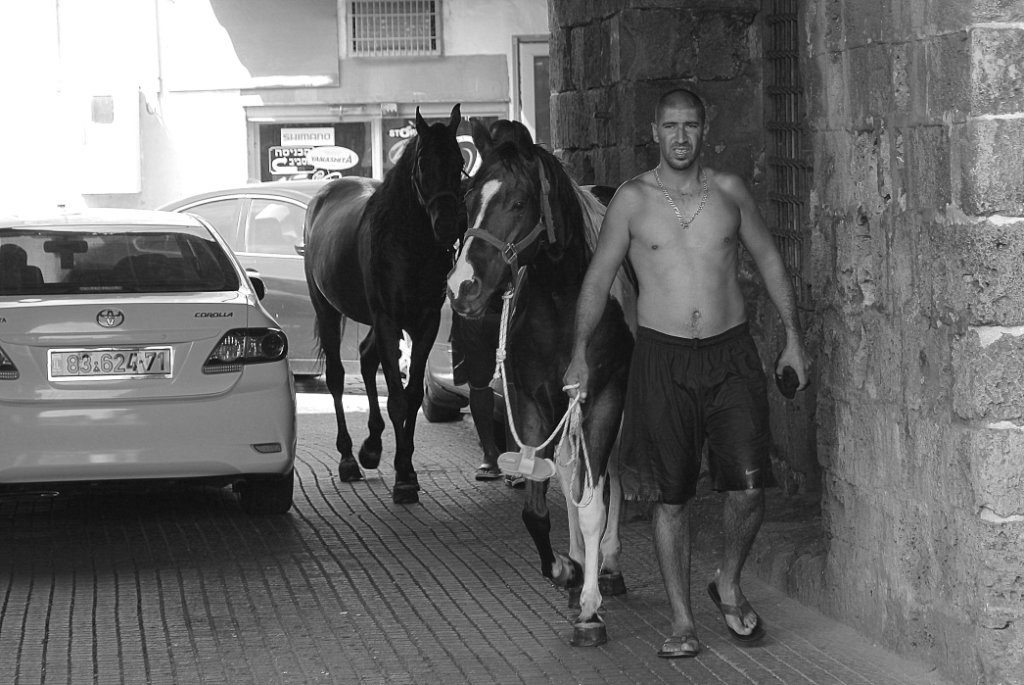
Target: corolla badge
[[110, 318]]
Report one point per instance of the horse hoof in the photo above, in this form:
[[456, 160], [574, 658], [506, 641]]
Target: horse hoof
[[405, 493], [574, 597], [611, 583], [348, 471], [589, 633], [368, 459]]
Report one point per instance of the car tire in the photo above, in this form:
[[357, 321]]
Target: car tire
[[435, 412], [267, 495]]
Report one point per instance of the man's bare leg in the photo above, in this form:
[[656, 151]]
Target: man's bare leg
[[672, 544], [742, 517]]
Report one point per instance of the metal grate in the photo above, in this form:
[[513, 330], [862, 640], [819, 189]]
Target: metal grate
[[789, 170], [388, 28]]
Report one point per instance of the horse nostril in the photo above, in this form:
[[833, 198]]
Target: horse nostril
[[470, 289]]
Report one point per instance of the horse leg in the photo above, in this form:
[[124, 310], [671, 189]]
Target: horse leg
[[560, 569], [413, 399], [328, 329], [588, 629], [407, 486], [369, 362], [610, 577]]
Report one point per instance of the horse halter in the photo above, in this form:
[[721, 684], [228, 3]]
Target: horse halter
[[510, 250]]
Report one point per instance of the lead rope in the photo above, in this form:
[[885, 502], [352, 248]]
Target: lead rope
[[572, 420]]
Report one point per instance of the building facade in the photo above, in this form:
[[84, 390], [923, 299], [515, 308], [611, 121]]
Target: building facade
[[141, 102]]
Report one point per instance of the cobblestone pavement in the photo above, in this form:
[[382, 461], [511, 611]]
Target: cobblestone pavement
[[179, 586]]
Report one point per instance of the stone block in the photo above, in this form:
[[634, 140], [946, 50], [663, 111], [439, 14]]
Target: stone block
[[992, 177], [997, 78], [976, 271], [927, 150], [723, 41], [1008, 11], [947, 70], [997, 466], [594, 69], [988, 380], [560, 70], [674, 34]]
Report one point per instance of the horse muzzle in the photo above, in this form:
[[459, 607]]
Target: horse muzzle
[[467, 300]]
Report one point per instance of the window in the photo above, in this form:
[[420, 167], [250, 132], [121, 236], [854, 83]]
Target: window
[[387, 28], [789, 170], [274, 228]]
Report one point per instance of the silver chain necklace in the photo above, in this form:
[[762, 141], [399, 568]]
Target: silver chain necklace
[[685, 223]]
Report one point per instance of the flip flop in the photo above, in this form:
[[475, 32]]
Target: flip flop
[[488, 472], [680, 647], [738, 612]]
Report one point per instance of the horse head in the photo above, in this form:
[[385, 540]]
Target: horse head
[[511, 217], [436, 175]]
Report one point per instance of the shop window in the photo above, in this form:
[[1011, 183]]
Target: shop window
[[387, 28]]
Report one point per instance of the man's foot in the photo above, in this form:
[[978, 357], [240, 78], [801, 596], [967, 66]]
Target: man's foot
[[746, 626], [488, 472], [680, 647]]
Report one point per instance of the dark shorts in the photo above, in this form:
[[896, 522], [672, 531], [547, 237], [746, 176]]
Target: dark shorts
[[684, 393]]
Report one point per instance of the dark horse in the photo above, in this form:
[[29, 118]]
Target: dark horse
[[526, 214], [378, 253]]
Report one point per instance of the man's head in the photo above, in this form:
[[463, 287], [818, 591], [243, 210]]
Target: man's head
[[679, 97], [679, 127]]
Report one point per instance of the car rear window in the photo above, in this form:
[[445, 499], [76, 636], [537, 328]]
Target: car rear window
[[37, 261]]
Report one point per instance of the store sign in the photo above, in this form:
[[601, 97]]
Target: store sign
[[307, 137], [399, 132], [332, 158]]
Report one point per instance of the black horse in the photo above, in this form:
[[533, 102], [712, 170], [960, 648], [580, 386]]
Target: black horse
[[530, 225], [378, 253]]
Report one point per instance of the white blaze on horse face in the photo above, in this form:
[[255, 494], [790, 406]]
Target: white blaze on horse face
[[463, 271]]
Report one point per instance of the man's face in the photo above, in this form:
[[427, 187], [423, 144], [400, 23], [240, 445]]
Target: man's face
[[679, 134]]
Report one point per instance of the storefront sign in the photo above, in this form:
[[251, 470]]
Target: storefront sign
[[332, 158], [307, 137]]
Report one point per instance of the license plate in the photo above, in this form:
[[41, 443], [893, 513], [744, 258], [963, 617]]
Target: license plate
[[110, 363]]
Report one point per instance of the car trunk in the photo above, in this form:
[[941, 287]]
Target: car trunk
[[142, 354]]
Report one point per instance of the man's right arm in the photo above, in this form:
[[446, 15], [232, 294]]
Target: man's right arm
[[612, 247]]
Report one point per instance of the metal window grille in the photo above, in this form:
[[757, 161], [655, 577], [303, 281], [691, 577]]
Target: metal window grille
[[389, 28], [789, 171]]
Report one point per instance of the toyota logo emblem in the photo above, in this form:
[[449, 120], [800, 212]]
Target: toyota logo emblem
[[110, 318]]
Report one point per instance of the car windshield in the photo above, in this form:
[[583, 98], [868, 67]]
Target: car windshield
[[41, 261]]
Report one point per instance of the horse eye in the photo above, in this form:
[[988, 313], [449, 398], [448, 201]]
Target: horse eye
[[518, 205]]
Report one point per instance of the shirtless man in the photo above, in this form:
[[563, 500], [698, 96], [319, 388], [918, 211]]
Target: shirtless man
[[696, 375]]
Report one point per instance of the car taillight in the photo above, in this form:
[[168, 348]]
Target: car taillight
[[243, 346], [8, 371]]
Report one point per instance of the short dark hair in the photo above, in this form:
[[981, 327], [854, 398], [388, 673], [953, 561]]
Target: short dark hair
[[677, 95]]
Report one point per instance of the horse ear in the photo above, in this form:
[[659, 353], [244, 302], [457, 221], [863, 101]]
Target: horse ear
[[421, 124], [453, 123], [481, 136]]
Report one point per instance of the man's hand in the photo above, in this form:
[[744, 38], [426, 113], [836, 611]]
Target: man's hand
[[576, 376], [794, 356]]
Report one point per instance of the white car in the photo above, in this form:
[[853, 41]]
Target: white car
[[133, 347]]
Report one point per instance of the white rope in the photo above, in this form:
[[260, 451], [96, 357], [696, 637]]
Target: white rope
[[572, 420]]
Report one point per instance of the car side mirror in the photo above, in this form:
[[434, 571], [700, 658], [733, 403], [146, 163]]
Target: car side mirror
[[257, 283], [300, 250]]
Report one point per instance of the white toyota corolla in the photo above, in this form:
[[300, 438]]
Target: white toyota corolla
[[133, 347]]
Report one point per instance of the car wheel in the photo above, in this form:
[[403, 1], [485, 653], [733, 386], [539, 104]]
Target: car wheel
[[267, 495], [435, 412]]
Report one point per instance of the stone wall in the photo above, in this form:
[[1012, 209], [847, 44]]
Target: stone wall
[[917, 271], [918, 253]]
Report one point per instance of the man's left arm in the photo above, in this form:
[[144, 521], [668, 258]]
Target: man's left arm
[[759, 242]]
